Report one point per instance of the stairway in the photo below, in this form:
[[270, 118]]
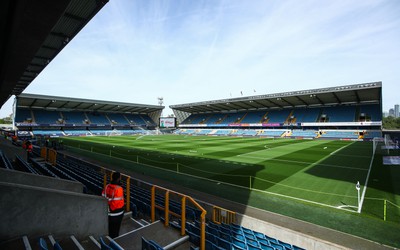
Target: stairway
[[131, 232], [157, 232]]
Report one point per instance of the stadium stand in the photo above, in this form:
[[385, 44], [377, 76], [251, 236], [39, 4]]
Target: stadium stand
[[136, 120], [68, 132], [340, 134], [299, 114], [304, 133], [254, 117], [305, 115], [370, 113], [196, 119], [49, 133], [23, 115], [4, 161], [97, 118], [46, 117], [74, 117], [338, 114], [117, 119]]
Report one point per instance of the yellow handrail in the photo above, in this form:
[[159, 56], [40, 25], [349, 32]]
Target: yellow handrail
[[182, 216], [222, 215], [52, 156]]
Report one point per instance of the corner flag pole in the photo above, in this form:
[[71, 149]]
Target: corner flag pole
[[358, 191]]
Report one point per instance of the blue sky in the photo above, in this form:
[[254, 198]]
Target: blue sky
[[189, 51]]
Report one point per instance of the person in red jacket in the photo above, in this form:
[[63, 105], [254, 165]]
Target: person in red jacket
[[114, 193], [29, 149]]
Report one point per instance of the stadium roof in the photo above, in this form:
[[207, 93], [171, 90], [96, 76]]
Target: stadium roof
[[350, 94], [34, 32], [74, 104]]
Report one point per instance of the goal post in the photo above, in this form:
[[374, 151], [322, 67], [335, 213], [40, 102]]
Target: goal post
[[113, 133], [375, 143]]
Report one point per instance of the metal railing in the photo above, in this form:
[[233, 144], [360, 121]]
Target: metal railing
[[182, 216]]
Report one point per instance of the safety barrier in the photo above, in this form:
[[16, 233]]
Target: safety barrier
[[49, 155], [182, 216], [43, 153], [221, 215]]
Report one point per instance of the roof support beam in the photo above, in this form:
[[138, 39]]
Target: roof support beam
[[75, 17], [357, 96], [337, 98]]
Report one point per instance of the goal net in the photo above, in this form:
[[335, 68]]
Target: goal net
[[113, 133]]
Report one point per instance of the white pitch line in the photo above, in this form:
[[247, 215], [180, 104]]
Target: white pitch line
[[301, 162], [339, 149]]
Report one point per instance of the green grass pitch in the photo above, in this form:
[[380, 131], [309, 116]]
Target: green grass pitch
[[310, 177]]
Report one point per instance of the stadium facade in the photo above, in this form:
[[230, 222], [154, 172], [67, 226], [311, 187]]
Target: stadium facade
[[53, 116], [350, 111]]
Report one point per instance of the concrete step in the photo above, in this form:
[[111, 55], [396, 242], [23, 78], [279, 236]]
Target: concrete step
[[90, 243], [128, 224], [67, 243], [13, 244], [155, 231]]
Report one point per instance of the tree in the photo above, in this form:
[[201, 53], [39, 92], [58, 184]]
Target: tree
[[391, 123], [6, 120]]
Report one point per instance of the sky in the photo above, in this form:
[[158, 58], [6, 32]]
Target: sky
[[191, 51]]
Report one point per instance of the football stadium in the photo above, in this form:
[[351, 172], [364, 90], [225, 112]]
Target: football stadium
[[305, 169]]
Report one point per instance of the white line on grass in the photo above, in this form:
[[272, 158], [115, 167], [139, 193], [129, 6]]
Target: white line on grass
[[303, 189], [365, 185], [301, 162], [230, 184]]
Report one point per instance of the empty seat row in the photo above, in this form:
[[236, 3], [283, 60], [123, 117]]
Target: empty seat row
[[232, 236]]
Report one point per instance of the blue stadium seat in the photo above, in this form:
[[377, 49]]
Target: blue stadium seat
[[236, 229], [195, 239], [264, 241], [238, 243], [194, 248], [270, 239], [249, 236], [258, 235], [57, 246], [225, 230], [145, 244], [239, 236], [104, 246], [252, 243], [211, 245], [297, 248], [154, 245], [224, 244], [252, 247], [286, 245], [211, 237], [212, 230], [114, 245], [277, 246], [266, 246], [42, 244], [213, 225], [225, 236]]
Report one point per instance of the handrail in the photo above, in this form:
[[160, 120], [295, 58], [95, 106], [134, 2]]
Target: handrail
[[222, 215], [182, 216]]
